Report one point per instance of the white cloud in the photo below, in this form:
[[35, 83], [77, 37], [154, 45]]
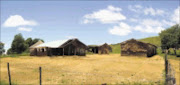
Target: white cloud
[[25, 29], [146, 11], [149, 26], [121, 30], [17, 20], [148, 29], [176, 17], [135, 8], [109, 15], [86, 21], [133, 20], [151, 11], [112, 8], [70, 37], [138, 6], [151, 22], [168, 23]]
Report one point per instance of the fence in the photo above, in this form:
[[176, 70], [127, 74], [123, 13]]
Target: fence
[[170, 73], [9, 75]]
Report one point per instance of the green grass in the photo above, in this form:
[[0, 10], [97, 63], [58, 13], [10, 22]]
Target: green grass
[[170, 55], [116, 48], [153, 40], [140, 83], [6, 83], [15, 55], [3, 83]]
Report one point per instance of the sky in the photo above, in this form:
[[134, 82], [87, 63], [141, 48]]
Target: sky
[[92, 22]]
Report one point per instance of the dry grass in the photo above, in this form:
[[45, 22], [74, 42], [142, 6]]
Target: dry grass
[[176, 65], [92, 69]]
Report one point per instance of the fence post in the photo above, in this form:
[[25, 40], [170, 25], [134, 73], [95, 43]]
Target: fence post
[[40, 75], [9, 74], [166, 68]]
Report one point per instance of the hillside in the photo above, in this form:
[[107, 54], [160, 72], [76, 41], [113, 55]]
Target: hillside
[[153, 40]]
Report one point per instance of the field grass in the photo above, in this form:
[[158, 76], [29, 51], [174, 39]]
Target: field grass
[[92, 69], [153, 40], [116, 48], [175, 62]]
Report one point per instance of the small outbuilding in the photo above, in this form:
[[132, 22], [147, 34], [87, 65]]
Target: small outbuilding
[[61, 47], [133, 47], [102, 49]]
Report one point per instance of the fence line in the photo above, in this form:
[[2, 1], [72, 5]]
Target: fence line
[[170, 73]]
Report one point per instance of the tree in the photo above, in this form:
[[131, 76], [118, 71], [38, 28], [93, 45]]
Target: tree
[[1, 48], [29, 42], [170, 38], [36, 40], [18, 45], [9, 51]]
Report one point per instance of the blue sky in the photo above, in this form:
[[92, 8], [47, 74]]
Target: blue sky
[[92, 22]]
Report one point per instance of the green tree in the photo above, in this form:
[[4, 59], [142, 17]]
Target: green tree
[[29, 42], [36, 40], [18, 45], [1, 48], [9, 51], [170, 38]]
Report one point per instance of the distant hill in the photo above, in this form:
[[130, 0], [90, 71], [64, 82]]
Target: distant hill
[[153, 40]]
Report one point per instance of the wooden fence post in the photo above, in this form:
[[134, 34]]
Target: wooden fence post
[[9, 74], [40, 75], [166, 68]]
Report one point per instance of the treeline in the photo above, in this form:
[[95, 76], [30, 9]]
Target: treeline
[[1, 48], [170, 38], [20, 45]]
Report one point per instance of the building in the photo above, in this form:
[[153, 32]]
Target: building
[[133, 47], [33, 50], [102, 49], [60, 47]]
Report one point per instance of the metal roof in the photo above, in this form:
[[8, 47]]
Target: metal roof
[[52, 44]]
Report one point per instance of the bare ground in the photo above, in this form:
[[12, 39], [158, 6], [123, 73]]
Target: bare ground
[[92, 69]]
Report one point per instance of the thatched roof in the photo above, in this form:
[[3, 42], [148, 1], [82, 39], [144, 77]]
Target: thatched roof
[[36, 44], [135, 45]]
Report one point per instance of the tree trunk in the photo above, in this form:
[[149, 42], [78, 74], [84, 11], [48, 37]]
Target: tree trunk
[[174, 51], [168, 51], [163, 51]]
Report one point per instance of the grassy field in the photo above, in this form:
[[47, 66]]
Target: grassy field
[[116, 48], [153, 40], [92, 69]]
